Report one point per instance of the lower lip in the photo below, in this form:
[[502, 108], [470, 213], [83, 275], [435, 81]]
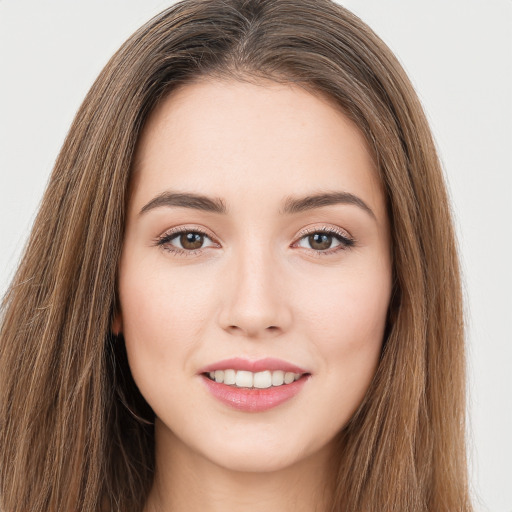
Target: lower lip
[[254, 400]]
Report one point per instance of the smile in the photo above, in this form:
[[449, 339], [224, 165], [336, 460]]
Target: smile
[[254, 386], [258, 380]]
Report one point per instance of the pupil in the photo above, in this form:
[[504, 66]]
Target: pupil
[[320, 241], [191, 240]]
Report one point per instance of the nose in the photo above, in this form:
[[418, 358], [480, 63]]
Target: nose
[[255, 301]]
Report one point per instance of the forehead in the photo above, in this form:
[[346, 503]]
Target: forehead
[[236, 139]]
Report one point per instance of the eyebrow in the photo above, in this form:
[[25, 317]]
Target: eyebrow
[[296, 205], [291, 206], [186, 200]]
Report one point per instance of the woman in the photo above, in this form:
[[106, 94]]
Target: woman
[[242, 287]]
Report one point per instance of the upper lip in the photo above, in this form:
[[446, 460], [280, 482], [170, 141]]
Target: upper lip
[[259, 365]]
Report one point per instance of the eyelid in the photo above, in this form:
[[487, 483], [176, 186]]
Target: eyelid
[[325, 229], [186, 228]]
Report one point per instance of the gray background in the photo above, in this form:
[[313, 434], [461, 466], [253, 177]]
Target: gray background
[[459, 56]]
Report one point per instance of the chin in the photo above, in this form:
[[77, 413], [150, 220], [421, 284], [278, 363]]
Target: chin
[[251, 451], [254, 461]]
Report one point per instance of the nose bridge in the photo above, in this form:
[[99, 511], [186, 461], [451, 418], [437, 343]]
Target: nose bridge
[[254, 302]]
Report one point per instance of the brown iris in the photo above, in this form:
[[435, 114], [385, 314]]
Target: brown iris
[[320, 241], [191, 240]]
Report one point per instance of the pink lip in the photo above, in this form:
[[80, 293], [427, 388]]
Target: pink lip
[[238, 363], [250, 399], [253, 400]]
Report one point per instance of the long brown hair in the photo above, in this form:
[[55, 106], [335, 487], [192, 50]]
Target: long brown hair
[[75, 433]]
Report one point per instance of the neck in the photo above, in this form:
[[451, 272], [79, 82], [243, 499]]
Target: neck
[[185, 481]]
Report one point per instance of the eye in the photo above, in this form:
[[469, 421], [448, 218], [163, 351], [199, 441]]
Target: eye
[[325, 241], [185, 241]]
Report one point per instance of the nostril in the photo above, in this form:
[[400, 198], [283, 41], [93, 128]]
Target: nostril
[[252, 330]]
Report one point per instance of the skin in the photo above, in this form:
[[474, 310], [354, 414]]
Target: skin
[[258, 287]]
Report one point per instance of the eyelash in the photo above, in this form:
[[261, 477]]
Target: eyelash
[[345, 242]]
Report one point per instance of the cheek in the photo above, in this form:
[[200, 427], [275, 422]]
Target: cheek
[[163, 319], [166, 304], [348, 312], [346, 324]]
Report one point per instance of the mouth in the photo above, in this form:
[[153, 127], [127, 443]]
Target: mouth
[[254, 386], [254, 380]]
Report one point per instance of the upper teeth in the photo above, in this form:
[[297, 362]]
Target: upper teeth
[[261, 380]]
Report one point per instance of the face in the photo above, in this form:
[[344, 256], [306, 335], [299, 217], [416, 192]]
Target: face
[[255, 275]]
